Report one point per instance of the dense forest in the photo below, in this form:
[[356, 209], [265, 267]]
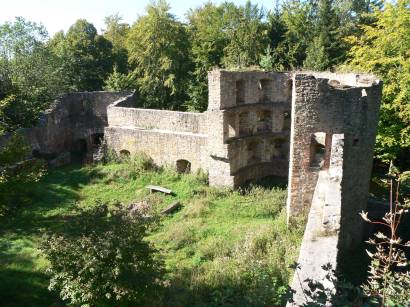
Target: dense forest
[[167, 60]]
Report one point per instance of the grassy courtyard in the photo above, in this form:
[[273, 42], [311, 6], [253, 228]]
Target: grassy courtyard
[[223, 247]]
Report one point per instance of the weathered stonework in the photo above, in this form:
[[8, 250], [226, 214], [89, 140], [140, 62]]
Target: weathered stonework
[[315, 129], [343, 108], [244, 134], [75, 122]]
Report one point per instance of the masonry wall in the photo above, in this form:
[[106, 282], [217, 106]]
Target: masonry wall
[[71, 117], [155, 119], [322, 108], [361, 119], [250, 114], [166, 136], [164, 147]]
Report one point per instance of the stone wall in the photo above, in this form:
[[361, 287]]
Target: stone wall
[[321, 109], [71, 117], [155, 119], [249, 116], [164, 147]]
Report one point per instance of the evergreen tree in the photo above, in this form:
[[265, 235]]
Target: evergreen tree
[[324, 51]]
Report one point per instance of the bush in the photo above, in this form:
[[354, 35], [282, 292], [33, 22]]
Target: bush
[[17, 173], [101, 259]]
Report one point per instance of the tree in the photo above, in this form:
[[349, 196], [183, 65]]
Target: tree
[[320, 53], [223, 35], [383, 49], [294, 33], [16, 173], [208, 41], [87, 57], [316, 56], [29, 73], [275, 55], [116, 32], [118, 81], [246, 34], [158, 48]]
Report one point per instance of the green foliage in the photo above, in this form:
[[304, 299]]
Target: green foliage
[[388, 283], [207, 44], [384, 50], [293, 29], [100, 259], [116, 32], [87, 58], [310, 33], [223, 246], [224, 35], [322, 51], [15, 172], [29, 74], [158, 49], [20, 37], [246, 35], [230, 248], [117, 81], [316, 56], [266, 61], [15, 150]]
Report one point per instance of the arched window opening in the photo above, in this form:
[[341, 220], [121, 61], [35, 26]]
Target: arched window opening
[[36, 153], [231, 129], [265, 121], [243, 123], [318, 150], [265, 85], [80, 147], [286, 120], [255, 149], [183, 166], [79, 151], [125, 154], [279, 150], [97, 139], [240, 92]]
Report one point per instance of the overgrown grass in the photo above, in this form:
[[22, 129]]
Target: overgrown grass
[[223, 247]]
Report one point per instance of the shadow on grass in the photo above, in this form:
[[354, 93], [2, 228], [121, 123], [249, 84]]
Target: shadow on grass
[[25, 288], [268, 182], [20, 285], [37, 208]]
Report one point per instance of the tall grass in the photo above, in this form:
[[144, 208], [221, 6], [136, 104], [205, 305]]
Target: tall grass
[[224, 247]]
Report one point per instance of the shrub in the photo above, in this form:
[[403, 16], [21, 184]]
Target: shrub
[[17, 173], [388, 283], [101, 259]]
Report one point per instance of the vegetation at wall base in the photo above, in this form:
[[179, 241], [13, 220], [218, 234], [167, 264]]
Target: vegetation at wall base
[[223, 247]]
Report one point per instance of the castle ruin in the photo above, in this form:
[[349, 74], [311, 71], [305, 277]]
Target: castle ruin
[[316, 129]]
